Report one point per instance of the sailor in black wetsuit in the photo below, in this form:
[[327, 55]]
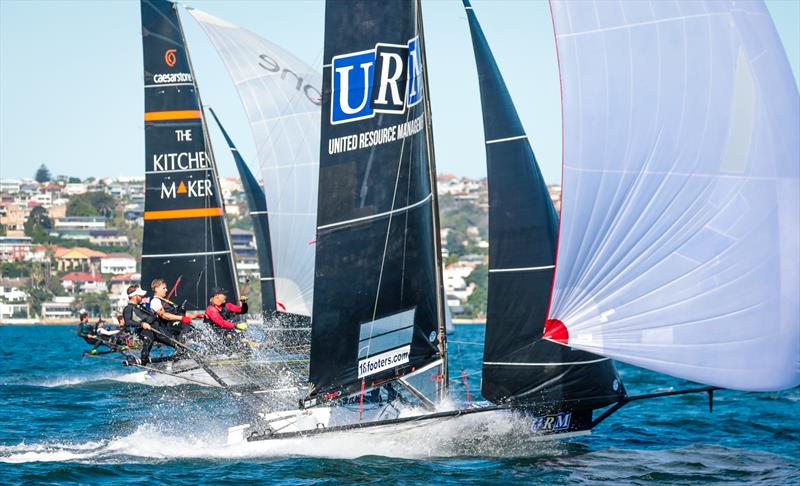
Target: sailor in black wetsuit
[[87, 330], [145, 323]]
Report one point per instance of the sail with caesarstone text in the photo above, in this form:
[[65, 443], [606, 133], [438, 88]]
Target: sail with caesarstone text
[[185, 238], [679, 249], [518, 365]]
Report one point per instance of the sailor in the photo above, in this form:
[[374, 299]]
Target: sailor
[[171, 315], [220, 314], [87, 331], [146, 324]]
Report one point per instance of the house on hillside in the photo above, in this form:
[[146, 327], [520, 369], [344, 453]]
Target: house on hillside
[[77, 259], [118, 264], [119, 288], [79, 282], [58, 308], [13, 298]]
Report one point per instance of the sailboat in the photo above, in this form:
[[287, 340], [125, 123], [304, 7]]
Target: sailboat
[[678, 232], [186, 239]]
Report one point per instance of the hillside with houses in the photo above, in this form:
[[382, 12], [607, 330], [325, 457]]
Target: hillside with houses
[[68, 244]]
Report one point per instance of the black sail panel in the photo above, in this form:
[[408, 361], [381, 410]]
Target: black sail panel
[[374, 293], [523, 235], [257, 205], [185, 236]]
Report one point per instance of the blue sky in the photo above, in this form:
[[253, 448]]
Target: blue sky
[[71, 79]]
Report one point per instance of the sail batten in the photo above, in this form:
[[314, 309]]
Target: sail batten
[[680, 238]]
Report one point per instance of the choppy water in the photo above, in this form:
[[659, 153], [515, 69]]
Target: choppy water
[[70, 419]]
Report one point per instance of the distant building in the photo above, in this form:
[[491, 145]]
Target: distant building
[[78, 259], [119, 288], [245, 251], [107, 237], [14, 302], [75, 188], [58, 308], [80, 222], [118, 264], [78, 282], [15, 248], [10, 186]]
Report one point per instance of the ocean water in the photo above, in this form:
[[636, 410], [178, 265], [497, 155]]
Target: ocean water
[[67, 419]]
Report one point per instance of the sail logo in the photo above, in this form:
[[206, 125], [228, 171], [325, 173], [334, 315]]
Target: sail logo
[[190, 188], [170, 58], [384, 361], [385, 79], [551, 423]]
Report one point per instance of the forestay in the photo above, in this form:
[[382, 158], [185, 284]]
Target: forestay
[[678, 249], [281, 96]]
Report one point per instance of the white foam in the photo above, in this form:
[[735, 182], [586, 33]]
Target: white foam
[[489, 434]]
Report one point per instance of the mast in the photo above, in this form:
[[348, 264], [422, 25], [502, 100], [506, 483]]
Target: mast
[[210, 149], [437, 240]]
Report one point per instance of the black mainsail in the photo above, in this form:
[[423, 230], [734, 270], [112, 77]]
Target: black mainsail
[[523, 233], [376, 315], [186, 239], [257, 205]]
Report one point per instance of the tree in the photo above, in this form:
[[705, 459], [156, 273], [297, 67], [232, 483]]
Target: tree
[[74, 180], [38, 224], [91, 204], [42, 174]]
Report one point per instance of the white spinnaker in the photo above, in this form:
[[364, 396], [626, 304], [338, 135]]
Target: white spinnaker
[[281, 96], [678, 248]]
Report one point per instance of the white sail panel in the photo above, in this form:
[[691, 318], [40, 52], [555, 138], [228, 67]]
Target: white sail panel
[[678, 248], [281, 96]]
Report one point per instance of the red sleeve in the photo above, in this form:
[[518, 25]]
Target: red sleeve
[[234, 308], [214, 316]]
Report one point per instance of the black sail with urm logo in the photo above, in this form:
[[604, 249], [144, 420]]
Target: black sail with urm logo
[[523, 232], [375, 306], [257, 206], [185, 239]]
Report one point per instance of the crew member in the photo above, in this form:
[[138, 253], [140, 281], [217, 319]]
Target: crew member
[[172, 317], [86, 330], [220, 313], [145, 323]]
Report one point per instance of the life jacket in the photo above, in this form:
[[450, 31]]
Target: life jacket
[[86, 328]]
